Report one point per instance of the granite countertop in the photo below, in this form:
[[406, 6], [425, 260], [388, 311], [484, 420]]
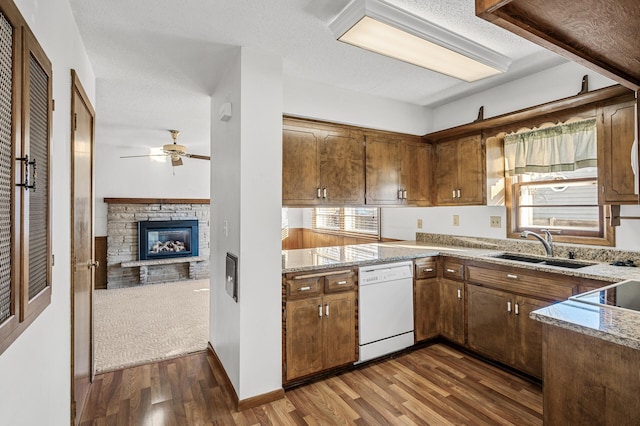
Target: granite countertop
[[301, 260], [612, 324]]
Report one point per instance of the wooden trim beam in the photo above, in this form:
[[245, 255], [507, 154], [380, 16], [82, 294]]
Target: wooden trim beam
[[245, 404], [577, 101], [157, 200]]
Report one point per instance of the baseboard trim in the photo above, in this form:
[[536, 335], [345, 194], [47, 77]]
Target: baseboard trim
[[245, 404]]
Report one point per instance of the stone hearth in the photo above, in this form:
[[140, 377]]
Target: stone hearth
[[122, 241]]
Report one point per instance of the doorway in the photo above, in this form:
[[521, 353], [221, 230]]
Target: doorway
[[82, 246]]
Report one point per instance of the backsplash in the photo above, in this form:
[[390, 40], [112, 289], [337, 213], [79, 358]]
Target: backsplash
[[531, 247]]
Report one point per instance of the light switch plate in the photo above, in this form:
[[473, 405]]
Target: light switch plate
[[456, 220], [495, 221], [419, 223]]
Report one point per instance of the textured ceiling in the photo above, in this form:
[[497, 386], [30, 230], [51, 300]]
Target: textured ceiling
[[157, 61]]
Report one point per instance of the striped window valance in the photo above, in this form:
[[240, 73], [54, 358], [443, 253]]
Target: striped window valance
[[559, 148]]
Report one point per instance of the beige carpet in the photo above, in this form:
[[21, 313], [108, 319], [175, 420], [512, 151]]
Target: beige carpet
[[147, 323]]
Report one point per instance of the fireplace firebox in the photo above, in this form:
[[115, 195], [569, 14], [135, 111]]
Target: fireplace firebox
[[167, 238]]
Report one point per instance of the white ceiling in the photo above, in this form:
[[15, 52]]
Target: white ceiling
[[157, 61]]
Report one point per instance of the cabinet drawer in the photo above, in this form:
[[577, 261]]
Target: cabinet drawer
[[339, 282], [302, 287], [516, 280], [425, 268], [453, 270]]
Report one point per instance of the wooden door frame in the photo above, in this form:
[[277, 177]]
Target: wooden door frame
[[76, 87]]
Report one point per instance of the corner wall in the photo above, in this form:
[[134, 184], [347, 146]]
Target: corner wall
[[246, 193], [35, 369]]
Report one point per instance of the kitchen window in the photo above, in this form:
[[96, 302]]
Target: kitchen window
[[566, 203], [554, 183], [353, 221]]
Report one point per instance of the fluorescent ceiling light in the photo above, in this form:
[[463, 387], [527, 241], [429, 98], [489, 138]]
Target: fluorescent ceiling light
[[390, 31]]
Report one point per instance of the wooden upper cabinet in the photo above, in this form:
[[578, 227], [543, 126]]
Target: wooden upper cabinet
[[397, 171], [601, 35], [300, 178], [459, 171], [471, 170], [342, 167], [321, 164], [615, 139], [415, 172], [382, 171]]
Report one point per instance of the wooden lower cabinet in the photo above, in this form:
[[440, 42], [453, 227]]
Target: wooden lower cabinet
[[319, 330], [499, 327], [589, 381], [452, 310], [304, 347]]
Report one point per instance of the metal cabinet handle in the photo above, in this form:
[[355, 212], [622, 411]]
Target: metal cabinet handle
[[399, 194], [459, 294], [458, 193], [304, 288], [428, 269], [509, 306], [326, 309], [319, 193], [454, 193], [404, 194], [517, 309], [512, 276], [324, 192], [451, 271], [320, 311], [341, 282], [92, 264]]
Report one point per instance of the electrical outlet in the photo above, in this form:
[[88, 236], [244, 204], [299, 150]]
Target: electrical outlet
[[495, 221], [456, 220], [419, 223]]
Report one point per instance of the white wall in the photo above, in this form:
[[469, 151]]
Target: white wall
[[145, 177], [35, 369], [246, 188], [402, 222], [307, 99], [549, 85]]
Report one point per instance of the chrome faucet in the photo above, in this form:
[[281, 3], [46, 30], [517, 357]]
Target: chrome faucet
[[548, 243]]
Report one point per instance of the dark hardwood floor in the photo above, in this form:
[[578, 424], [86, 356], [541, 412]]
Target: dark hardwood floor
[[435, 385]]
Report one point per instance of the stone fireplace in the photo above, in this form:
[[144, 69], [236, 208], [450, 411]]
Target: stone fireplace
[[173, 245]]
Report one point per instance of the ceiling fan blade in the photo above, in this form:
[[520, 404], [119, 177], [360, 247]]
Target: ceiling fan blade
[[148, 155], [176, 161], [198, 157]]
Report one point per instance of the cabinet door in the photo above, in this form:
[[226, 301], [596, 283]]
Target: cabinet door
[[489, 322], [339, 329], [415, 172], [471, 172], [528, 355], [615, 138], [446, 173], [342, 167], [426, 308], [383, 174], [304, 345], [300, 179], [452, 310]]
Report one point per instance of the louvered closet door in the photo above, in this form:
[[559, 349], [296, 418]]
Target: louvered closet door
[[36, 99], [10, 42]]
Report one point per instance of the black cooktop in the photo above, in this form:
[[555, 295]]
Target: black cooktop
[[625, 294]]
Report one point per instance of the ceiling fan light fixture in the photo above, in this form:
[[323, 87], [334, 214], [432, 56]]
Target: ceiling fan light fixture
[[390, 31]]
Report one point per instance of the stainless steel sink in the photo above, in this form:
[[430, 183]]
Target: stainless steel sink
[[560, 263]]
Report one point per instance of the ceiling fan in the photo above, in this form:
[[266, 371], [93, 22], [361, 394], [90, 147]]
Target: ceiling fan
[[174, 150]]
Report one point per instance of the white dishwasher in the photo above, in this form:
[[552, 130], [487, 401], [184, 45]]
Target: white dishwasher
[[385, 309]]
